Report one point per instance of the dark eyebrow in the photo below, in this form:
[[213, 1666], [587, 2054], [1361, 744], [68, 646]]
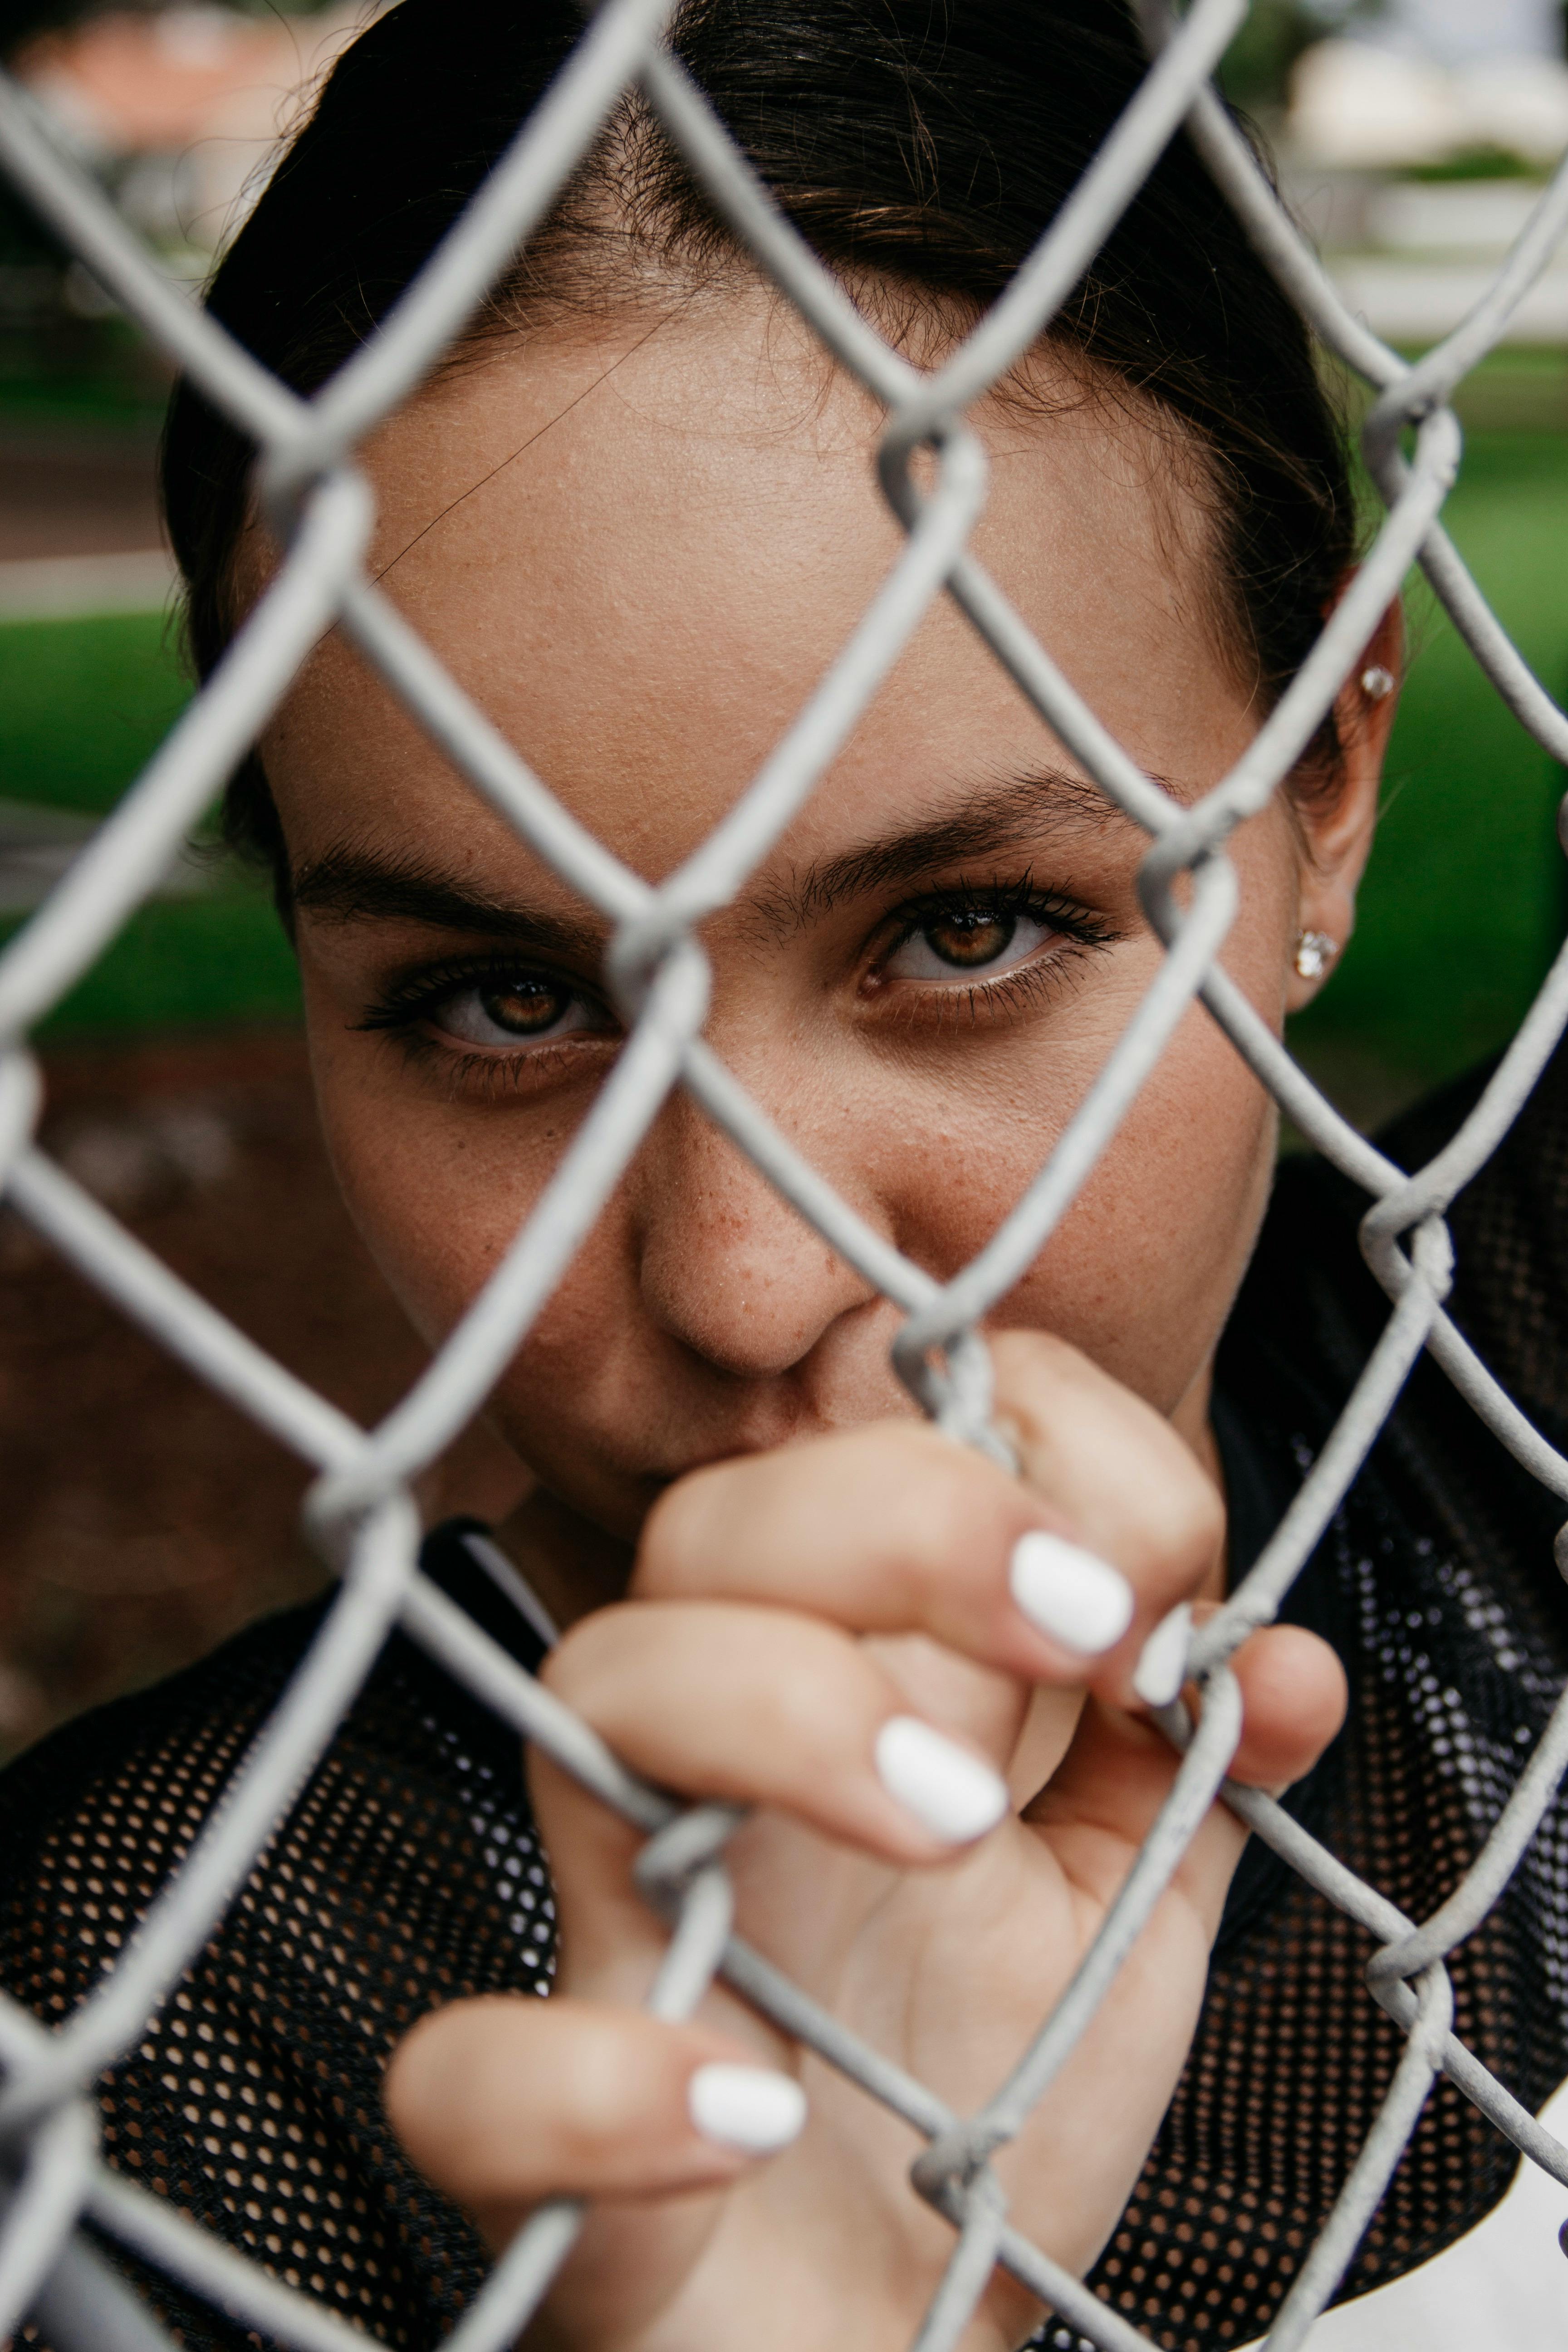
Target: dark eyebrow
[[1020, 812], [353, 885], [346, 884]]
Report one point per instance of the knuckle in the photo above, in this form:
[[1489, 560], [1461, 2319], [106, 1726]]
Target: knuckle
[[1191, 1521], [943, 1507], [1030, 1368], [1023, 1354], [1201, 1512], [593, 2121], [1109, 1457], [816, 1714], [576, 1668], [672, 1533]]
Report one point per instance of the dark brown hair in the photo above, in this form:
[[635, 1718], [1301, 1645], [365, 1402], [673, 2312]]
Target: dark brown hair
[[919, 146]]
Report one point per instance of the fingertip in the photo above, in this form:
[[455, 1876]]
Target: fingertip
[[1295, 1694], [953, 1794], [1072, 1595], [503, 2101], [754, 2109], [1161, 1665]]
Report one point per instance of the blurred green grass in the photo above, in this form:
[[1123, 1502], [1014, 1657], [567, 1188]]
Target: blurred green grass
[[1462, 908], [83, 704], [1464, 901]]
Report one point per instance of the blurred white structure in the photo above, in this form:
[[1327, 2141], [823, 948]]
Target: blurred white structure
[[182, 107], [1419, 84], [1452, 31], [1361, 106]]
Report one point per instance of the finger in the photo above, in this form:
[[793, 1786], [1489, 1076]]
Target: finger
[[1103, 1801], [1294, 1696], [893, 1528], [1122, 1481], [888, 1529], [506, 2100], [765, 1707]]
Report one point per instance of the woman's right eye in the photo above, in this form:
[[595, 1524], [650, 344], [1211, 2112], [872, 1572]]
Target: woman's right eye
[[513, 1009]]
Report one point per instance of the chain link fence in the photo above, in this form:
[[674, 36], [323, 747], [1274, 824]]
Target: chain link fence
[[361, 1510]]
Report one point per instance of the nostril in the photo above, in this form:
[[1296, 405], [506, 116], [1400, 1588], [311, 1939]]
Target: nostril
[[753, 1313], [725, 1264]]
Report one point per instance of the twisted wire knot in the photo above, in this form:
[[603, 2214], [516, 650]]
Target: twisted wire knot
[[361, 1509]]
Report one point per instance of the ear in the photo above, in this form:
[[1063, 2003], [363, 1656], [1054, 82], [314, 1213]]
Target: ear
[[1338, 833]]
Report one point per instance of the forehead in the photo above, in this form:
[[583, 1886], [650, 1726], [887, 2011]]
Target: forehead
[[640, 543]]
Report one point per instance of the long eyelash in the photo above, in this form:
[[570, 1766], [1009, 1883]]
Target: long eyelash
[[490, 1075], [1019, 895], [1005, 998], [407, 1001]]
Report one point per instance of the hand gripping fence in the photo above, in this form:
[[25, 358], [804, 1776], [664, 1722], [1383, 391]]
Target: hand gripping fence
[[360, 1508]]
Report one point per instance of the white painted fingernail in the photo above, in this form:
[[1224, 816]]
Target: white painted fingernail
[[950, 1792], [751, 2107], [1079, 1600], [1162, 1661]]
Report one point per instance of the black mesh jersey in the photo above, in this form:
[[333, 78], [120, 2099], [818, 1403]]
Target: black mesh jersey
[[407, 1873]]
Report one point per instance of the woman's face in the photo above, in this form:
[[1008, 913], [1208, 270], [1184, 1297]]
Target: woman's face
[[639, 548]]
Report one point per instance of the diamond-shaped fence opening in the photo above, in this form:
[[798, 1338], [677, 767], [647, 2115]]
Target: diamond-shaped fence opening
[[361, 1509]]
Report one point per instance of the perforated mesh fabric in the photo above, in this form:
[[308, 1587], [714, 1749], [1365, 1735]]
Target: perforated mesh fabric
[[408, 1874], [1435, 1585]]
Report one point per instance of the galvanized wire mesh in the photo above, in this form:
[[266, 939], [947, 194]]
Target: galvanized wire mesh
[[361, 1507]]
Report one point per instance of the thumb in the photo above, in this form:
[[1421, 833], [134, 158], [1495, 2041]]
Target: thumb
[[505, 2100], [1117, 1774]]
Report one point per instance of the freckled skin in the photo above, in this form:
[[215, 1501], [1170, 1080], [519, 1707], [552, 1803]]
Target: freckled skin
[[641, 601], [639, 543]]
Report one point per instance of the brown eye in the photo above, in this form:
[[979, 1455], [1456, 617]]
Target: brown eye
[[516, 1008], [969, 937], [523, 1008], [959, 942]]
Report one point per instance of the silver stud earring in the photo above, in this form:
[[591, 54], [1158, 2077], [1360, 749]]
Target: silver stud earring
[[1377, 683], [1315, 952]]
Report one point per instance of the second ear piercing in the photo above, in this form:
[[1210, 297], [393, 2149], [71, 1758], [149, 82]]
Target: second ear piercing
[[1315, 952]]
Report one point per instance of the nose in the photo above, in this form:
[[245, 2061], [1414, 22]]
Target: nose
[[724, 1263]]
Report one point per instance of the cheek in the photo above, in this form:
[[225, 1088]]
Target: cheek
[[435, 1228], [438, 1198], [436, 1191], [593, 1400], [1142, 1271]]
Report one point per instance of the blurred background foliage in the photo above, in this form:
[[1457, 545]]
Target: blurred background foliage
[[1465, 900], [83, 704], [1256, 71], [1462, 909], [1463, 905]]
